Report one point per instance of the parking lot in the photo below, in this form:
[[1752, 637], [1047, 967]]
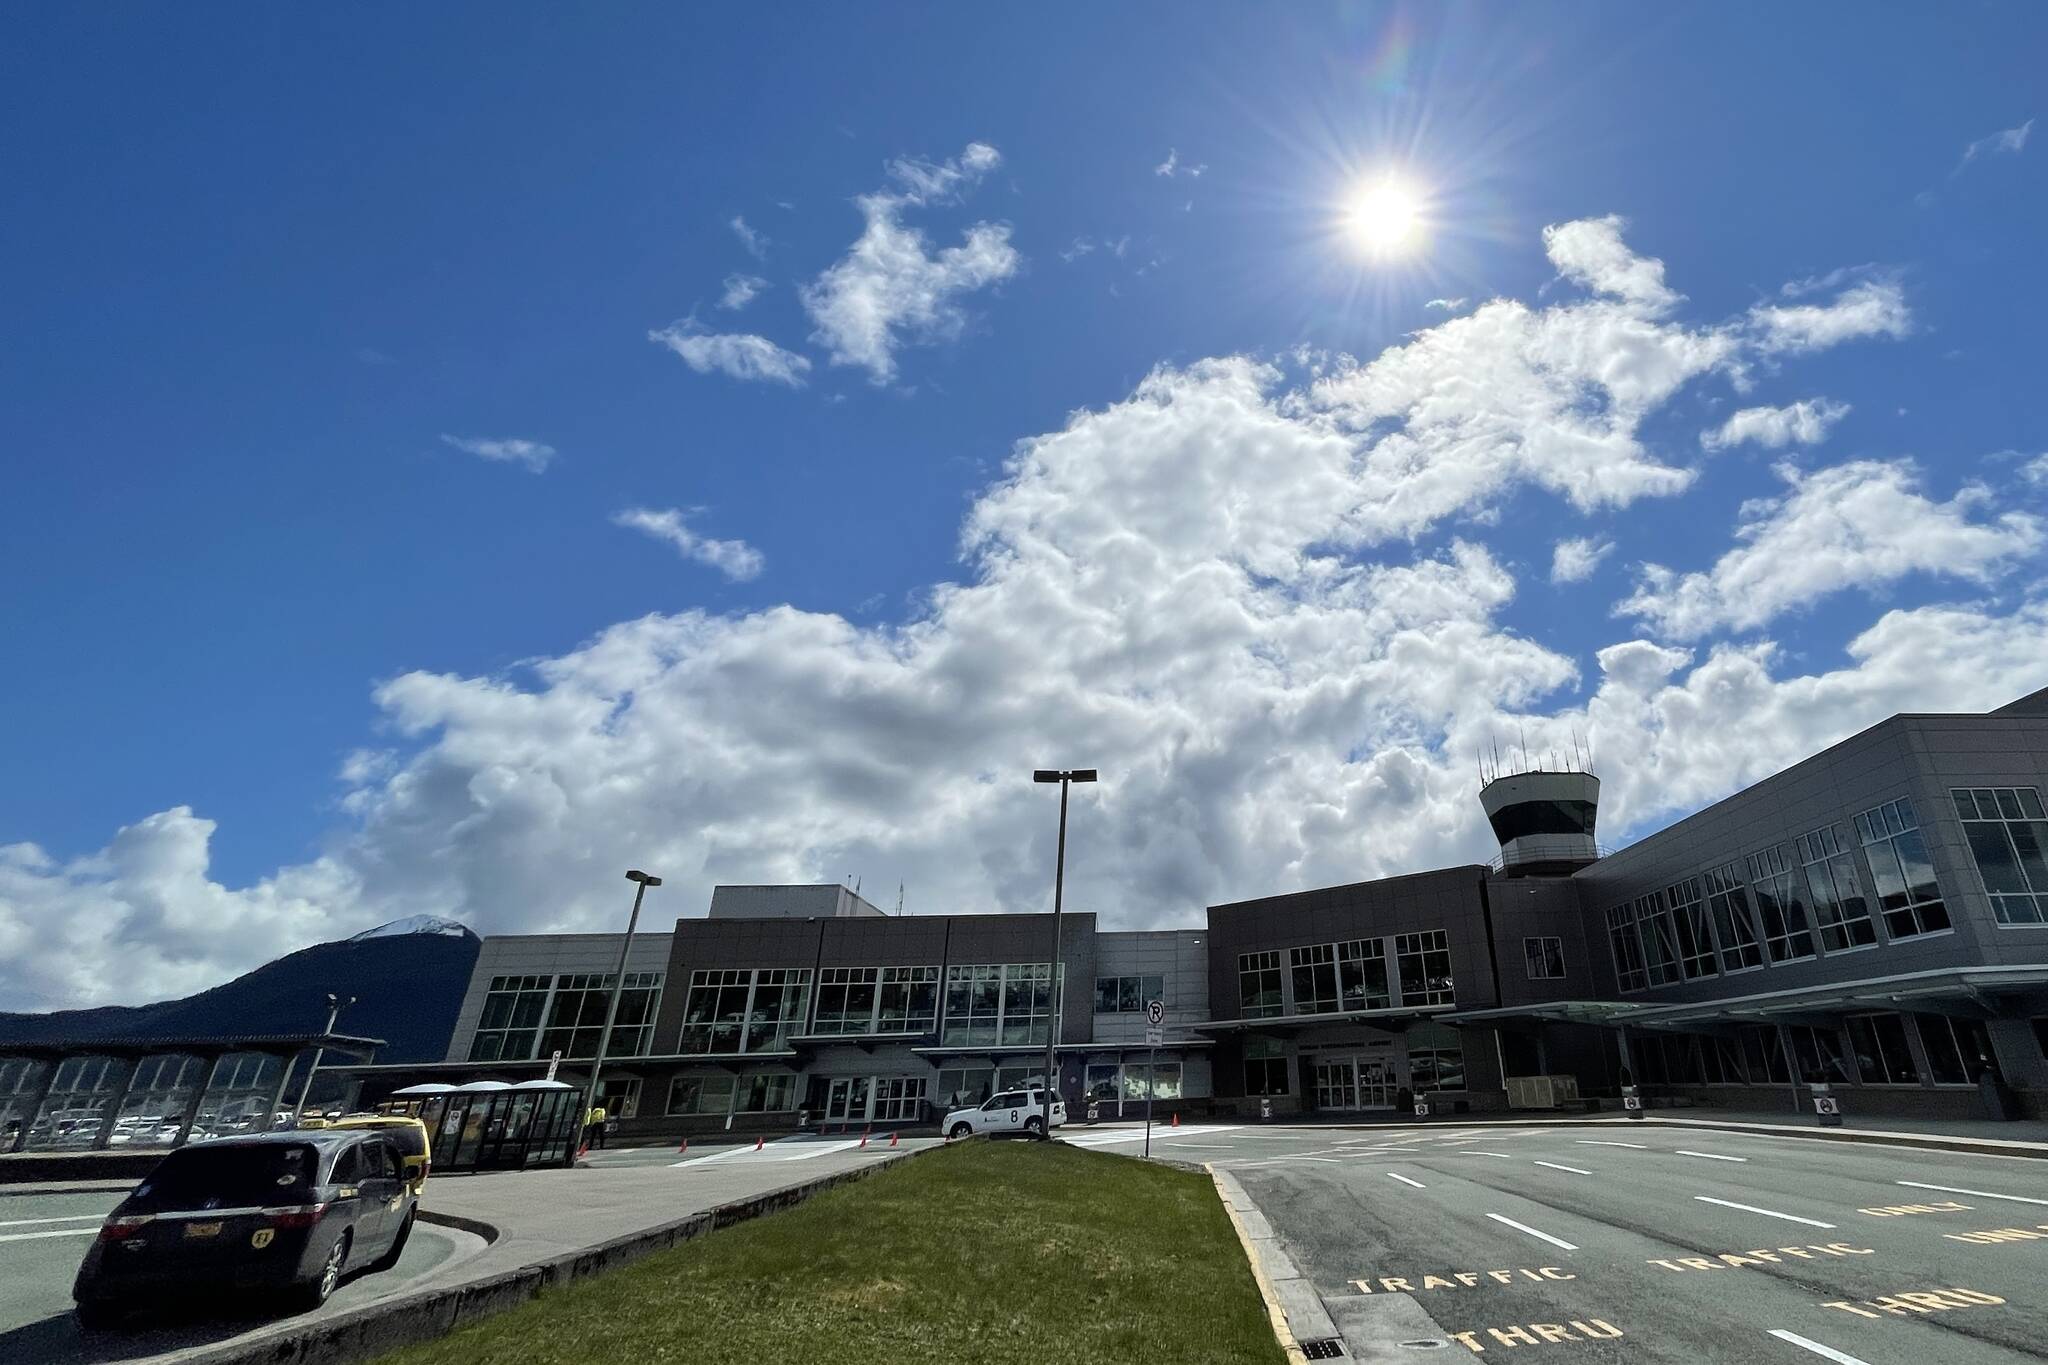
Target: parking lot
[[43, 1236], [1644, 1243]]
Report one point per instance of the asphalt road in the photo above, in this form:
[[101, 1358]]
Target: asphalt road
[[1641, 1243], [43, 1236]]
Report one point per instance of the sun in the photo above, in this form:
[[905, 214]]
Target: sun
[[1385, 217]]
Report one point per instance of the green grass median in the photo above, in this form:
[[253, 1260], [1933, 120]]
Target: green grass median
[[983, 1252]]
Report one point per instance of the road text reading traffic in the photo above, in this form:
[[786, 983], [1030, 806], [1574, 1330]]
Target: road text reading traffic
[[1461, 1279], [1766, 1255]]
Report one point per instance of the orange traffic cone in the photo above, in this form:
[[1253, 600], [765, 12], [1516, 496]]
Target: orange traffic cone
[[583, 1151], [1176, 1121], [892, 1139], [760, 1142], [863, 1137], [684, 1150]]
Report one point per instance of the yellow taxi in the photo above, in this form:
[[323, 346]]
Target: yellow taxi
[[410, 1135]]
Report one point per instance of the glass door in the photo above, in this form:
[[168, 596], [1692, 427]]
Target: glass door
[[1336, 1085], [1375, 1085], [847, 1100]]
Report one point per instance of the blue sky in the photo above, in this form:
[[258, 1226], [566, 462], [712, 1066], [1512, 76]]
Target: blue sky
[[274, 277]]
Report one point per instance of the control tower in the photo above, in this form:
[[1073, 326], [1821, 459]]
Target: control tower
[[1544, 821]]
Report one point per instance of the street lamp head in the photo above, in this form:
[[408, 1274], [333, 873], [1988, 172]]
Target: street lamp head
[[1045, 775], [1053, 775], [643, 878], [1082, 774]]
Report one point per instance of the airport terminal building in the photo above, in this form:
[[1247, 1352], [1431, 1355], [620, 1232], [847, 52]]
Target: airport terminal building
[[1874, 918]]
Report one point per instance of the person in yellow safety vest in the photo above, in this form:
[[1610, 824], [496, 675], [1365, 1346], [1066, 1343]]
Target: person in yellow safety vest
[[593, 1126]]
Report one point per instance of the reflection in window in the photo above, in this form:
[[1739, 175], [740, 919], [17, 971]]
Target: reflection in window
[[1543, 958], [1436, 1059], [1315, 978], [1901, 870], [1425, 963], [1781, 906], [1258, 984], [1883, 1055], [1958, 1050], [1127, 994], [1362, 974], [2008, 836], [510, 1022], [1265, 1067], [1005, 1004], [1695, 935], [1838, 904], [1626, 947], [1734, 922], [744, 1010]]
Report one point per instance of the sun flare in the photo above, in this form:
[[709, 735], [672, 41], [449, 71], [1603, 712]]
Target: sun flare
[[1385, 217]]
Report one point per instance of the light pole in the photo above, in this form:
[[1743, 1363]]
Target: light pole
[[611, 1011], [335, 1005], [1059, 881]]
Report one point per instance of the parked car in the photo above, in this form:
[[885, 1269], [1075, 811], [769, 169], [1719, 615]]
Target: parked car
[[288, 1212], [1013, 1111]]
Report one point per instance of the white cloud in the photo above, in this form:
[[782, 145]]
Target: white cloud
[[2005, 140], [1872, 308], [1456, 305], [1197, 589], [755, 241], [1081, 247], [1864, 524], [1168, 166], [1592, 253], [736, 559], [2035, 471], [1573, 561], [889, 290], [532, 454], [740, 355], [741, 290], [1805, 423]]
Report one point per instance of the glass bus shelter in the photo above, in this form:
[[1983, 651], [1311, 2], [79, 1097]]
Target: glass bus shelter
[[493, 1126]]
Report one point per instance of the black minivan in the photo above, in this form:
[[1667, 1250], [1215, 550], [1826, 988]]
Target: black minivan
[[290, 1212]]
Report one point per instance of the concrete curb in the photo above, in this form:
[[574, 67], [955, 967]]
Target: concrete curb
[[404, 1320]]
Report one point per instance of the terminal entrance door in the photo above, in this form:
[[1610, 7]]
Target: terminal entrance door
[[846, 1101], [1354, 1083]]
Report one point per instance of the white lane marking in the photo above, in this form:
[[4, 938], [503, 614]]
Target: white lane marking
[[73, 1218], [1711, 1156], [1396, 1175], [730, 1151], [1596, 1142], [1839, 1357], [1981, 1194], [1555, 1167], [1279, 1160], [1502, 1155], [825, 1149], [1768, 1213], [1524, 1227], [59, 1232], [1163, 1134]]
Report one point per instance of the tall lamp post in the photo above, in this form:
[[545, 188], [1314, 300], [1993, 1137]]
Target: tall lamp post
[[335, 1005], [1059, 881], [611, 1011]]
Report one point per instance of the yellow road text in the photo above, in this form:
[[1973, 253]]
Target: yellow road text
[[1460, 1279], [1537, 1334], [1921, 1301], [1735, 1260]]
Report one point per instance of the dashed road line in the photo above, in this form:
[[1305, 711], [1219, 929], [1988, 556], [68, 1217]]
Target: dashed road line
[[1396, 1175], [1555, 1167], [1711, 1156], [73, 1218], [1981, 1194], [53, 1232], [1768, 1213], [1827, 1352], [1596, 1142], [1524, 1227], [1504, 1156]]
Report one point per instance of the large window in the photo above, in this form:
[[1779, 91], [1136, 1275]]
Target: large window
[[734, 1010], [1763, 1054], [510, 1022], [1362, 974], [846, 999], [1882, 1053], [576, 1017], [1734, 922], [1957, 1049], [1817, 1054], [1436, 1059], [1265, 1067], [1838, 904], [1127, 994], [1627, 948], [1659, 936], [898, 1099], [2008, 834], [1258, 984], [700, 1095], [1315, 978], [995, 1004], [865, 1000], [1781, 906], [1543, 958], [1425, 962], [909, 1000], [1695, 934], [963, 1086], [1901, 870]]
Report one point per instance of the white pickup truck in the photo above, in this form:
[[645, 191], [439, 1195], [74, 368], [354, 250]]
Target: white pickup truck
[[1013, 1111]]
